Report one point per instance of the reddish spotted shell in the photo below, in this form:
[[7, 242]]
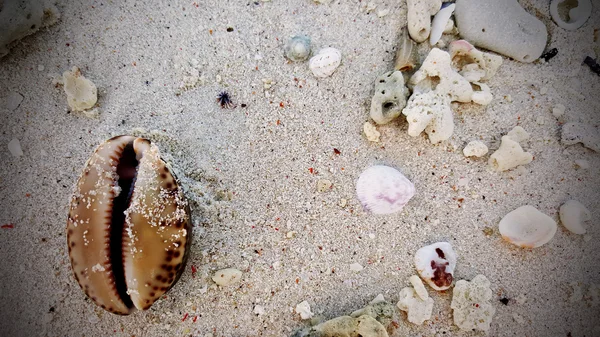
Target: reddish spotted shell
[[129, 227]]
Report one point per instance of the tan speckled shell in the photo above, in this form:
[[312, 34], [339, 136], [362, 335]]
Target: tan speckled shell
[[134, 265]]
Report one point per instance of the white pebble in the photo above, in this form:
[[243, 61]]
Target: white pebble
[[303, 308], [40, 67], [382, 12], [227, 276], [371, 132], [572, 215], [543, 91], [15, 147], [324, 185], [356, 267], [378, 299]]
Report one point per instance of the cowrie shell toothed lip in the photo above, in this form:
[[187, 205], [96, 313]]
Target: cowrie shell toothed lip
[[129, 228]]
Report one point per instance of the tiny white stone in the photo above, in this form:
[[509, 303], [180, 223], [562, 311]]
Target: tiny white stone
[[543, 90], [518, 134], [227, 276], [40, 67], [508, 98], [382, 12], [15, 148], [324, 185], [558, 110], [540, 120], [582, 164], [259, 310], [303, 308], [371, 236], [378, 299], [371, 132], [356, 267]]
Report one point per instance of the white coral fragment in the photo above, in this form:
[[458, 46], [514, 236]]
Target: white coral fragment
[[475, 149], [371, 132], [437, 74], [429, 112], [419, 17], [509, 155], [471, 305], [468, 60], [483, 96], [14, 147], [518, 134], [419, 287], [417, 309], [81, 92], [572, 215]]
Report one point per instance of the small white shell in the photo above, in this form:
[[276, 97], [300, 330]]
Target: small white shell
[[325, 62], [438, 25], [577, 16], [435, 264], [298, 48], [383, 190], [572, 215], [527, 227]]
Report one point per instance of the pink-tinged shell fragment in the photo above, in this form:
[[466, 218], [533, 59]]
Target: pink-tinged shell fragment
[[435, 264], [128, 226], [383, 190]]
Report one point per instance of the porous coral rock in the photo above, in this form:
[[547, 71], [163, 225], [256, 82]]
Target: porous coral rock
[[429, 112], [475, 148], [417, 309], [467, 59], [436, 74], [471, 305], [419, 17], [81, 92], [389, 98]]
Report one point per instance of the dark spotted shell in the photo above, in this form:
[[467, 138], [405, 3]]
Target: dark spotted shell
[[129, 227]]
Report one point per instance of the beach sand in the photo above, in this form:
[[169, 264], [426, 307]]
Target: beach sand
[[251, 172]]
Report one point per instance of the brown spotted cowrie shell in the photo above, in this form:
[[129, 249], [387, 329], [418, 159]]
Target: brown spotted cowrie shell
[[129, 227]]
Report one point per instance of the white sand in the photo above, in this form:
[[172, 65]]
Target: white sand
[[134, 51]]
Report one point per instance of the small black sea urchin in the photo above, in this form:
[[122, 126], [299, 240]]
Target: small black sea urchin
[[225, 100]]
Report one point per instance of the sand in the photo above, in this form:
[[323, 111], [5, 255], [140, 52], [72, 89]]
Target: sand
[[251, 172]]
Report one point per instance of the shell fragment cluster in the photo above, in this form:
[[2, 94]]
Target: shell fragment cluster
[[129, 228]]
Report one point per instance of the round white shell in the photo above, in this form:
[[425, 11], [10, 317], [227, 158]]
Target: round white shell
[[573, 214], [527, 227], [577, 15], [435, 264], [325, 62], [383, 190]]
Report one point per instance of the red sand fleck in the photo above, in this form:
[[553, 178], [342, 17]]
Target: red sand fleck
[[8, 225]]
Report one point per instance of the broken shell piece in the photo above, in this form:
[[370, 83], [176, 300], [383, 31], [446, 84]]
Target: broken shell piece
[[417, 309], [471, 306], [573, 214], [81, 92], [438, 25], [475, 148], [588, 135], [570, 15], [429, 112], [483, 96], [389, 98], [371, 132], [527, 227], [467, 59], [419, 287], [509, 155], [383, 190], [436, 74], [325, 62], [303, 309], [129, 228], [227, 276], [435, 264], [419, 17], [298, 48], [406, 56]]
